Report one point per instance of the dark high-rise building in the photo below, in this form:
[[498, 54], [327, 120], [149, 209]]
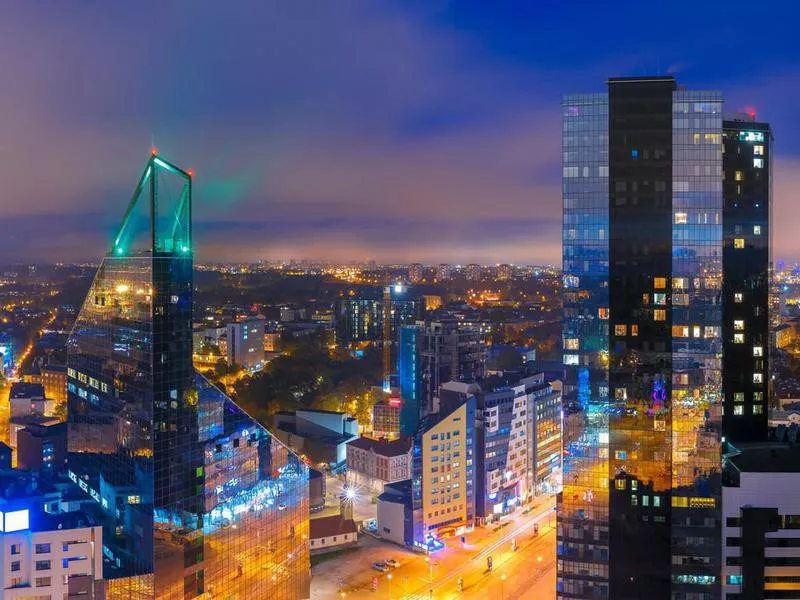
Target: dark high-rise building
[[363, 316], [432, 354], [197, 499], [747, 272], [642, 256]]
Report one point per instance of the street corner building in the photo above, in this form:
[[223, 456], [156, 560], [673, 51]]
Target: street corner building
[[666, 260], [196, 499]]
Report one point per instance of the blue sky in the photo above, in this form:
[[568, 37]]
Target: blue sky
[[419, 130]]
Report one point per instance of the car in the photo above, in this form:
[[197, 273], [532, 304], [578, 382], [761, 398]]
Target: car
[[380, 566], [391, 562], [282, 506]]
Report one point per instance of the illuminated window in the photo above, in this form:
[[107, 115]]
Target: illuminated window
[[756, 229], [680, 218], [634, 330], [758, 396], [660, 314], [570, 359], [738, 338], [758, 350], [621, 455], [680, 283], [758, 378], [680, 299], [758, 150], [571, 344], [712, 138], [751, 136], [738, 243], [656, 501], [645, 299], [739, 176], [738, 297], [758, 163], [680, 331], [696, 138], [738, 325], [738, 397], [738, 410], [710, 332], [696, 331], [603, 313], [620, 330], [758, 409], [660, 283], [660, 298], [620, 484], [680, 501]]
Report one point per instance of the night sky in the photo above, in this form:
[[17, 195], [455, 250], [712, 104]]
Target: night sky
[[420, 130]]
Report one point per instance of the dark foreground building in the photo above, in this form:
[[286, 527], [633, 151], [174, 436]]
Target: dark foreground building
[[198, 499], [643, 339]]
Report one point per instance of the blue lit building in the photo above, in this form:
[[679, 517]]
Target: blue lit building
[[195, 498], [409, 363], [6, 353]]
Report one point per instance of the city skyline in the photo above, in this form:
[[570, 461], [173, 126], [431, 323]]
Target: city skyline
[[401, 133]]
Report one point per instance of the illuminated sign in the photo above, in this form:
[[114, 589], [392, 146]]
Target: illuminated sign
[[15, 520], [751, 136], [395, 402]]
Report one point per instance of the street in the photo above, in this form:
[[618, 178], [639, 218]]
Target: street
[[527, 573]]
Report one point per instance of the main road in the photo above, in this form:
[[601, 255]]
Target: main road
[[525, 573]]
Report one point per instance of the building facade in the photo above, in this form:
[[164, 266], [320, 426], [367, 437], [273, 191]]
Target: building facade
[[386, 418], [747, 273], [444, 474], [373, 463], [761, 508], [50, 562], [415, 271], [197, 499], [642, 335], [246, 343]]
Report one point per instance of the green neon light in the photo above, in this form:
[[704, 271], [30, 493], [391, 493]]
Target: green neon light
[[164, 165]]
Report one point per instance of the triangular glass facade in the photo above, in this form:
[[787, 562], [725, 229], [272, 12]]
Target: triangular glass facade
[[197, 499]]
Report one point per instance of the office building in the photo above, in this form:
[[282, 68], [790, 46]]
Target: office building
[[272, 341], [371, 463], [444, 473], [760, 520], [196, 498], [444, 272], [50, 556], [642, 335], [246, 343], [386, 418], [319, 435], [363, 316], [747, 273], [432, 354], [415, 272], [473, 272]]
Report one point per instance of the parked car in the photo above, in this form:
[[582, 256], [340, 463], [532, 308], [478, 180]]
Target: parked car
[[392, 563], [380, 566]]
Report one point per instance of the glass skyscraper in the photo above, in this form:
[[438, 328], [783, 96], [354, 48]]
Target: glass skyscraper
[[197, 499], [642, 255]]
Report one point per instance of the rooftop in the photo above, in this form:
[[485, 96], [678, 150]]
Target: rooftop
[[27, 390], [766, 457], [330, 526], [383, 447]]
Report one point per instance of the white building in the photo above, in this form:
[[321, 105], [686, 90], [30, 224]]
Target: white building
[[64, 563], [372, 463], [332, 532], [28, 399], [246, 343], [761, 522]]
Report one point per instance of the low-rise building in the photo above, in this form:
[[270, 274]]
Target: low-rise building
[[332, 533], [27, 399], [319, 435], [372, 463], [760, 521], [53, 378], [42, 447], [395, 514]]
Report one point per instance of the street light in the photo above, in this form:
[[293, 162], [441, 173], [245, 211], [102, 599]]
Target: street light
[[503, 586], [389, 577]]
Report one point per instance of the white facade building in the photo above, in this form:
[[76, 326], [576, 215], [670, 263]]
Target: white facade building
[[246, 343], [58, 563]]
